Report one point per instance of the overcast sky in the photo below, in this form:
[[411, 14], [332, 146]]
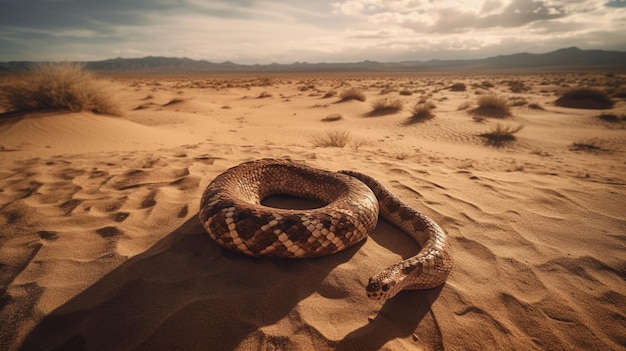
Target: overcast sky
[[285, 31]]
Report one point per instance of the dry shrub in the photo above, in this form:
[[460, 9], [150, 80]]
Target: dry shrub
[[491, 106], [535, 106], [58, 86], [264, 95], [421, 112], [331, 138], [501, 135], [589, 145], [405, 92], [458, 87], [386, 105], [352, 94], [585, 98], [612, 118]]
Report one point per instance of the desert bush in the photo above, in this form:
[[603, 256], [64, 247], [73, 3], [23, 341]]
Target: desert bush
[[588, 145], [613, 118], [387, 105], [264, 95], [491, 106], [331, 138], [58, 86], [535, 106], [405, 92], [585, 98], [458, 87], [352, 94], [421, 112], [500, 134]]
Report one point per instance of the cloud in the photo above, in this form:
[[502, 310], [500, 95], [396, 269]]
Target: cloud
[[264, 31]]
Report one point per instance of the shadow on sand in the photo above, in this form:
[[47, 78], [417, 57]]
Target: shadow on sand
[[186, 293]]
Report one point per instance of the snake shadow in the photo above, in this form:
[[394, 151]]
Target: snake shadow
[[184, 293], [187, 293]]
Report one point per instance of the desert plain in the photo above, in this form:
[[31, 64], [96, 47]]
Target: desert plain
[[101, 247]]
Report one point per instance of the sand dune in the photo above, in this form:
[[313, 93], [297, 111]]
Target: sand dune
[[101, 248]]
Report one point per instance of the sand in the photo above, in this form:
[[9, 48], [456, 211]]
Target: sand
[[101, 248]]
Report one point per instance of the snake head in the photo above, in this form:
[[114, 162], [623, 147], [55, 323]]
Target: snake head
[[381, 288]]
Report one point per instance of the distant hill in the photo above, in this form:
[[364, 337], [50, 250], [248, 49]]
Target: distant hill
[[563, 58]]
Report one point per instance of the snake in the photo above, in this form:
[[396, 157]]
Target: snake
[[232, 213]]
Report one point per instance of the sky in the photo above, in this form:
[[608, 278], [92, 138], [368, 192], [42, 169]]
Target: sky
[[287, 31]]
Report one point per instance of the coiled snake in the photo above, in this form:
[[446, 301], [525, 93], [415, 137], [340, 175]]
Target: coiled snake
[[232, 214]]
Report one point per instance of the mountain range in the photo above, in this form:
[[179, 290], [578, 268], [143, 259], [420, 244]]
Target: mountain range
[[572, 57]]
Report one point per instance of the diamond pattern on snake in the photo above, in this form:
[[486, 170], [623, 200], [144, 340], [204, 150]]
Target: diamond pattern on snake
[[232, 214]]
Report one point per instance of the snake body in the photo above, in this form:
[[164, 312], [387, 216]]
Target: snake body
[[232, 214]]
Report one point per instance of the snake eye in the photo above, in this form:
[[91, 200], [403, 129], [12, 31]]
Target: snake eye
[[372, 287], [385, 287]]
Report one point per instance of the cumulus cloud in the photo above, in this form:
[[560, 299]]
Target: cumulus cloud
[[263, 31]]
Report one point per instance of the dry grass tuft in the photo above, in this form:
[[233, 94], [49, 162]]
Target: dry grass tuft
[[264, 95], [421, 112], [386, 105], [589, 145], [458, 87], [500, 135], [352, 94], [491, 106], [585, 98], [331, 138], [58, 86], [612, 118]]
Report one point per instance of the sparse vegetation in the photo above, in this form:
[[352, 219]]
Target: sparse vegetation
[[58, 86], [332, 118], [405, 92], [535, 106], [331, 138], [386, 105], [612, 118], [589, 145], [264, 95], [500, 135], [585, 98], [491, 106], [352, 94], [421, 112], [458, 87]]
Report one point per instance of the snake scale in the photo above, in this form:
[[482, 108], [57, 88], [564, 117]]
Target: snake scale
[[232, 214]]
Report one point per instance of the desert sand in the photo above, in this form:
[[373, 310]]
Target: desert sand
[[101, 248]]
